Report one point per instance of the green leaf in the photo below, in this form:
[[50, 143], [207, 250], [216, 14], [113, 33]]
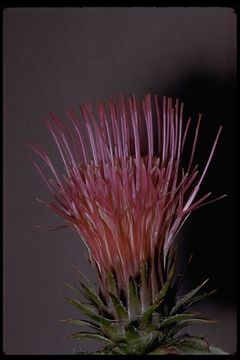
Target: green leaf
[[134, 305], [120, 309], [81, 323], [197, 298], [92, 296], [167, 350], [163, 293], [186, 298], [144, 342], [186, 323], [145, 291], [217, 351], [119, 349], [83, 277], [180, 276], [132, 333], [87, 290], [171, 258], [191, 345], [108, 327], [86, 335], [144, 320], [175, 318], [112, 284], [87, 311], [77, 290]]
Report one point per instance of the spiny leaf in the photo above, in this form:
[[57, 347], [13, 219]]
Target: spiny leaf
[[216, 351], [144, 320], [188, 322], [120, 349], [145, 291], [175, 318], [144, 342], [171, 257], [86, 310], [81, 323], [76, 289], [131, 332], [150, 340], [186, 298], [198, 298], [191, 345], [73, 288], [83, 277], [112, 284], [119, 307], [134, 306], [160, 298], [86, 335], [87, 290], [89, 293], [164, 350], [109, 327], [92, 296], [162, 294], [180, 276]]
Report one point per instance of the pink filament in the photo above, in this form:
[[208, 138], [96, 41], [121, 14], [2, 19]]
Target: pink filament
[[125, 203]]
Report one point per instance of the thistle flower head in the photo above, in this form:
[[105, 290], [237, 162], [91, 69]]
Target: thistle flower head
[[124, 188]]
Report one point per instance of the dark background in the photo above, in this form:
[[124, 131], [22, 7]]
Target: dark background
[[54, 58]]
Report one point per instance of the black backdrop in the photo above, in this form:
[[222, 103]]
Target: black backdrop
[[56, 57]]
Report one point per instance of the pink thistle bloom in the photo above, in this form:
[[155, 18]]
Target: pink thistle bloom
[[127, 193]]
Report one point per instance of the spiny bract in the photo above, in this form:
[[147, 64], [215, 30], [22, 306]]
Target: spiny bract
[[129, 323]]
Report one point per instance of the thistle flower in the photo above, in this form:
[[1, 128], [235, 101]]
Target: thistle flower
[[124, 187]]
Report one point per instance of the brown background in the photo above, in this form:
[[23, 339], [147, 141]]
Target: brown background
[[56, 57]]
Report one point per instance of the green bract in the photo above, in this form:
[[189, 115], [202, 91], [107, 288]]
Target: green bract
[[126, 327]]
